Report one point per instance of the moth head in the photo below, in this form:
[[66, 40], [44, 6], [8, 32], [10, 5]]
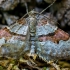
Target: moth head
[[32, 13]]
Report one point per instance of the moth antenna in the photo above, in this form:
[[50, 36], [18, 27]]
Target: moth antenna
[[47, 7], [26, 10], [26, 7]]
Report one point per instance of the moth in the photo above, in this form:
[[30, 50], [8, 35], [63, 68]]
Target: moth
[[34, 35]]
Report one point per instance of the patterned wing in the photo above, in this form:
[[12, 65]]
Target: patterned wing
[[14, 39], [53, 43]]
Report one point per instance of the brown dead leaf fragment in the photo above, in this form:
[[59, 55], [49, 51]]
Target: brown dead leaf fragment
[[4, 63], [10, 67]]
